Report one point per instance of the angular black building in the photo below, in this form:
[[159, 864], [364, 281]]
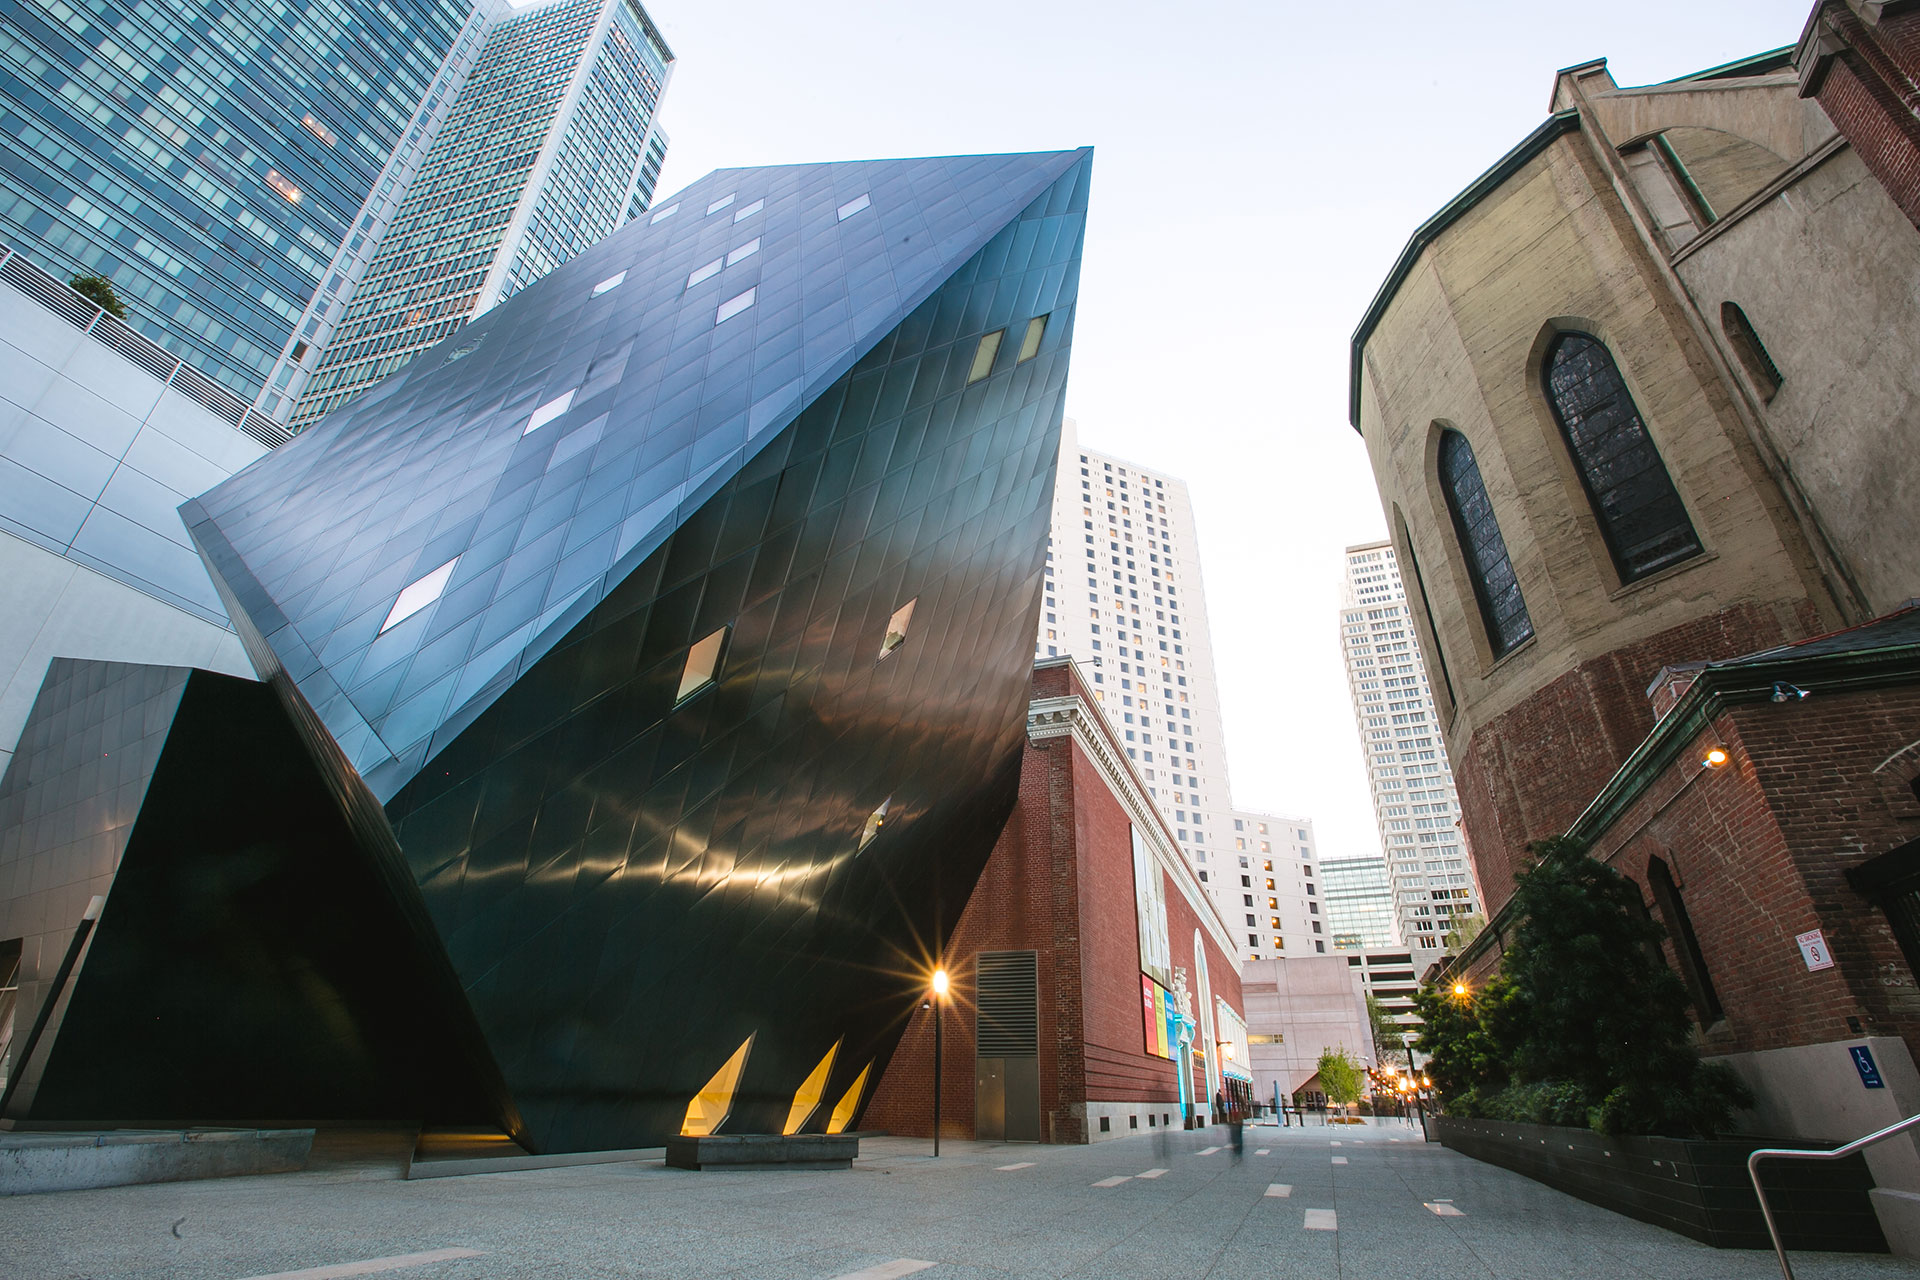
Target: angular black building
[[656, 651]]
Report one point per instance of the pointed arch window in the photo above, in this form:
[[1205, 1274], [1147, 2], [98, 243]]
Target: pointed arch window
[[1640, 513], [1489, 568], [1686, 945]]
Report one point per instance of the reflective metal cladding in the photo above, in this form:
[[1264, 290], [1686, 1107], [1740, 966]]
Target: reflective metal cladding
[[664, 633]]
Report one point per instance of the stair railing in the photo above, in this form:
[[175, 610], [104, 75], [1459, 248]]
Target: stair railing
[[1798, 1153]]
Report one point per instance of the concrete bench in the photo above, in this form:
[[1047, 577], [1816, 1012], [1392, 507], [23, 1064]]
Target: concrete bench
[[764, 1151]]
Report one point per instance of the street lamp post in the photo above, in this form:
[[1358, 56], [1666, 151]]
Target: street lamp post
[[939, 998]]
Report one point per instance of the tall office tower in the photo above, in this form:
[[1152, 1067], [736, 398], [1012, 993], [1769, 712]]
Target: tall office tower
[[1359, 903], [1124, 597], [208, 157], [551, 145], [1413, 795]]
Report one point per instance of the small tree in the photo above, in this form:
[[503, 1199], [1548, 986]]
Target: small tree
[[99, 291], [1340, 1076], [1388, 1042], [1465, 930]]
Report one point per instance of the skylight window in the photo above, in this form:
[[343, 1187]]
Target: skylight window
[[661, 215], [703, 664], [419, 596], [611, 282], [733, 306], [746, 250], [721, 203], [548, 412], [983, 355], [854, 206], [750, 210], [1030, 344], [875, 821], [707, 272], [281, 185], [897, 627]]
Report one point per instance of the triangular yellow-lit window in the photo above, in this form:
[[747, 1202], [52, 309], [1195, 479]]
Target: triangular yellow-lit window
[[849, 1103], [806, 1100], [710, 1107]]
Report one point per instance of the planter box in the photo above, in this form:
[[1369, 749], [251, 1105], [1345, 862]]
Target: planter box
[[764, 1151], [1698, 1188]]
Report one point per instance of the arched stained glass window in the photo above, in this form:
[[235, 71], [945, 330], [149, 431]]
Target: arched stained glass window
[[1640, 513], [1488, 565]]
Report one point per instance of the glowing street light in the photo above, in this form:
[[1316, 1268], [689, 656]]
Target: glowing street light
[[940, 985]]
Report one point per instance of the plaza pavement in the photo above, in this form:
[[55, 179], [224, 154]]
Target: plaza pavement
[[1380, 1205]]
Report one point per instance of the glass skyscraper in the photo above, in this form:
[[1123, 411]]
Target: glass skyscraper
[[1359, 899], [550, 147], [211, 157]]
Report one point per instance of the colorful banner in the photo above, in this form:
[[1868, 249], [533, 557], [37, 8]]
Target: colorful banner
[[1159, 1018]]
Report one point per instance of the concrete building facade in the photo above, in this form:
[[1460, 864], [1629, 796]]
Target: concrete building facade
[[102, 436], [1124, 596], [1297, 1008], [1408, 775], [551, 144], [1087, 901]]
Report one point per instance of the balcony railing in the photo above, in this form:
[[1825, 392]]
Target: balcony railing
[[57, 298]]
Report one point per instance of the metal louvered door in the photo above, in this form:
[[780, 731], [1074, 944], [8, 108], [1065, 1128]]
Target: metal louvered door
[[1006, 1106]]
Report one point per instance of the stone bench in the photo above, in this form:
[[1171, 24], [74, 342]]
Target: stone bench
[[764, 1151]]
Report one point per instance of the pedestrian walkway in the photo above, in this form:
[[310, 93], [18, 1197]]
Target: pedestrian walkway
[[1170, 1205]]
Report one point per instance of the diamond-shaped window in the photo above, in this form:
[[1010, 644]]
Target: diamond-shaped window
[[419, 595], [548, 412], [703, 665]]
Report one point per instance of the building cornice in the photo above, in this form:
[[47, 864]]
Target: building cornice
[[1553, 128], [1071, 715]]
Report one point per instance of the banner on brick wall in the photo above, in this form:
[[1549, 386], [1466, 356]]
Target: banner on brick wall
[[1150, 907]]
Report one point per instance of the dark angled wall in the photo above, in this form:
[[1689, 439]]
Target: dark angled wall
[[626, 887], [249, 964]]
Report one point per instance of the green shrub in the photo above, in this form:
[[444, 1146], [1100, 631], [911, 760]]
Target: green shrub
[[99, 291], [1585, 1023]]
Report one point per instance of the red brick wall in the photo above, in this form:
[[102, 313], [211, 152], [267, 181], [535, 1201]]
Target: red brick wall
[[1531, 771], [1759, 849], [1060, 883], [1863, 95]]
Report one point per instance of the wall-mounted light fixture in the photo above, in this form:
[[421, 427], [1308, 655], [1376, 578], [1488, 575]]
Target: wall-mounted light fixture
[[1715, 757], [1784, 692]]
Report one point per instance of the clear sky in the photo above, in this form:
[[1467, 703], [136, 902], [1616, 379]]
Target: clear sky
[[1258, 167]]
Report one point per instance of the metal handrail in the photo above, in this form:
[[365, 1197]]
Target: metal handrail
[[1800, 1153]]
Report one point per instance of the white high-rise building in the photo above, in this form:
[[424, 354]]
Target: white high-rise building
[[1124, 598], [553, 143], [1413, 794]]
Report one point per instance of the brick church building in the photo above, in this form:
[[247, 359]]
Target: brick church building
[[1640, 403]]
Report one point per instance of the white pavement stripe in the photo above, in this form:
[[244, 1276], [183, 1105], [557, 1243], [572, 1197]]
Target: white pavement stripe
[[1261, 1152], [1009, 1168], [1152, 1173], [1207, 1151], [1333, 1144], [1113, 1182], [1279, 1190], [888, 1270], [1339, 1159], [1322, 1220], [372, 1266], [1445, 1210]]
